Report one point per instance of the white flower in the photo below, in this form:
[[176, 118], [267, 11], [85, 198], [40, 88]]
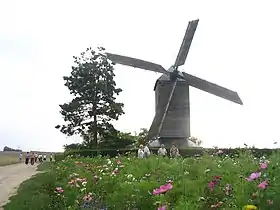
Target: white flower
[[207, 170], [129, 176]]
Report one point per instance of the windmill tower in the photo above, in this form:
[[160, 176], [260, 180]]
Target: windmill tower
[[171, 123]]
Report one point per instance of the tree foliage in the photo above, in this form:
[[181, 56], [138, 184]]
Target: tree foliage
[[9, 149], [142, 136], [94, 105], [195, 140], [118, 140]]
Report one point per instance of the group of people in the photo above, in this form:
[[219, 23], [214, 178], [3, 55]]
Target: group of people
[[144, 151], [33, 157]]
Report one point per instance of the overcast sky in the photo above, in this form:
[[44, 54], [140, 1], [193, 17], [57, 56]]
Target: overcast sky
[[236, 45]]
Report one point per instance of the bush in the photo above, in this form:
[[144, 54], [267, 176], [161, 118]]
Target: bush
[[198, 182], [189, 152]]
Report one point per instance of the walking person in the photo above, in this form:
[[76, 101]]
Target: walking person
[[162, 151], [50, 157], [40, 158], [45, 157], [20, 157], [36, 157], [32, 158], [27, 158]]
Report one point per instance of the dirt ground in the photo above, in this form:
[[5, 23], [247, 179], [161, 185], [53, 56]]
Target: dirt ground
[[11, 177]]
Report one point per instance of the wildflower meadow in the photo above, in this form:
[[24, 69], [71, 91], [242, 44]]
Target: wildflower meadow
[[195, 183]]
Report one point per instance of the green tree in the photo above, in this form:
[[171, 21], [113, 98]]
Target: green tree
[[118, 140], [195, 140], [94, 104], [142, 136]]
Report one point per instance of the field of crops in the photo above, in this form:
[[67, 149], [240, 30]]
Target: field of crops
[[7, 158], [198, 183]]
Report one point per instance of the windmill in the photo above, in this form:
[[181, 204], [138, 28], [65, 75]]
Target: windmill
[[172, 115]]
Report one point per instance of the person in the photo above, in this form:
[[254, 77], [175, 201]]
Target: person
[[20, 157], [36, 157], [141, 151], [146, 151], [32, 158], [162, 151], [174, 151], [45, 157], [27, 158], [50, 157], [40, 158]]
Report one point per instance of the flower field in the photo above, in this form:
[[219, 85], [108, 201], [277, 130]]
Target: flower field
[[208, 182]]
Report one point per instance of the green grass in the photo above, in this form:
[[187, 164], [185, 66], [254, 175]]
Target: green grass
[[8, 158], [45, 166], [33, 193], [132, 186]]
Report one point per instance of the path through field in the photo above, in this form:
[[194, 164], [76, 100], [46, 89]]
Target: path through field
[[11, 177]]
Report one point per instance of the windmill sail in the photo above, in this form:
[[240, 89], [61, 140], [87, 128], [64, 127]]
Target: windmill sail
[[137, 63], [186, 43], [172, 118], [167, 106], [212, 88]]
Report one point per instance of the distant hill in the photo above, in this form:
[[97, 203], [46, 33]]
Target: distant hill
[[8, 149]]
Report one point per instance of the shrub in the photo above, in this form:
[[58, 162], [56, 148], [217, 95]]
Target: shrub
[[189, 152]]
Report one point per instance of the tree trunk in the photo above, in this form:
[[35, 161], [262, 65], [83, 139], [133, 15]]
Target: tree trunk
[[95, 143]]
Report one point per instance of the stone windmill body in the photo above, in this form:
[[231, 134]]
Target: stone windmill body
[[172, 105]]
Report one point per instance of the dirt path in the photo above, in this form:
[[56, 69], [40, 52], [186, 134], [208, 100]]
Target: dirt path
[[11, 177]]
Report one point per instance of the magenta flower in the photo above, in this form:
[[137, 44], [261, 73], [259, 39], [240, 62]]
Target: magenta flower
[[254, 176], [263, 185], [264, 164], [163, 189], [211, 185], [214, 181], [162, 207]]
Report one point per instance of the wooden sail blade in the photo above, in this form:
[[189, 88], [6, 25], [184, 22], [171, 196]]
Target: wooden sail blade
[[167, 106], [186, 43], [212, 88], [137, 63]]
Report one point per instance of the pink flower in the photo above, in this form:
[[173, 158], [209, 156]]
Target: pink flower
[[219, 152], [263, 185], [254, 176], [215, 180], [59, 190], [163, 189], [119, 162], [211, 185], [264, 164], [116, 171], [162, 207]]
